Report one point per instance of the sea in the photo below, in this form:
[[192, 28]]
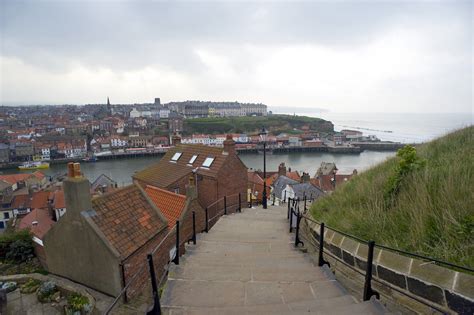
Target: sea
[[400, 127]]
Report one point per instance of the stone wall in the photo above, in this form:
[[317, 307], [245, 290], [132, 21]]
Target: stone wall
[[446, 289]]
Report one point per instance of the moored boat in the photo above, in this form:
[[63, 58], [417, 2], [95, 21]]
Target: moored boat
[[33, 165]]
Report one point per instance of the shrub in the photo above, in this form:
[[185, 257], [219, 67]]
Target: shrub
[[78, 303], [20, 251], [46, 291], [30, 286], [408, 161]]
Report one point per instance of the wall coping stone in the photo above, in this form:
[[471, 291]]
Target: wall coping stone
[[445, 286]]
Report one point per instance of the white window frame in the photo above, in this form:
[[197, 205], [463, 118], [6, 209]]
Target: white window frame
[[193, 159], [176, 156], [208, 162]]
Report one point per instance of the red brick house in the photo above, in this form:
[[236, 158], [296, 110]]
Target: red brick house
[[218, 171]]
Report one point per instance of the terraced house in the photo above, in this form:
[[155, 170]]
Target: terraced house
[[103, 242], [218, 171]]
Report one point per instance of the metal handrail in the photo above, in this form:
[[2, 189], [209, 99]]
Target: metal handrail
[[163, 240], [440, 262], [166, 266], [125, 288], [384, 283]]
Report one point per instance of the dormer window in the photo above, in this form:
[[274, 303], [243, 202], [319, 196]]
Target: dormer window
[[176, 156], [193, 158], [208, 162]]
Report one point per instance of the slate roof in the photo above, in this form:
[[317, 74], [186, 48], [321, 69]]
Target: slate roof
[[326, 168], [306, 189], [102, 180], [170, 204], [280, 184], [126, 218], [166, 172], [4, 185]]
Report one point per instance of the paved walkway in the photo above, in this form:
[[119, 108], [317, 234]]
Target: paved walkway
[[247, 264]]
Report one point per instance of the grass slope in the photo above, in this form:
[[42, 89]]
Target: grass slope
[[434, 211], [274, 123]]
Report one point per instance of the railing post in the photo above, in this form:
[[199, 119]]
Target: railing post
[[297, 233], [176, 258], [321, 261], [225, 205], [305, 203], [207, 221], [194, 227], [368, 292], [122, 271], [156, 310], [284, 199], [292, 210], [288, 215], [273, 203], [240, 203]]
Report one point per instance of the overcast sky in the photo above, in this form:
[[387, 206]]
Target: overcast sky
[[344, 56]]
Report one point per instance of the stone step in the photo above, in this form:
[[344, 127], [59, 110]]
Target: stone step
[[266, 309], [313, 307], [247, 264], [201, 293]]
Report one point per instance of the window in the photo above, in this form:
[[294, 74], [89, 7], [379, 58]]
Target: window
[[6, 215], [208, 162], [191, 161], [176, 156], [176, 190], [2, 225]]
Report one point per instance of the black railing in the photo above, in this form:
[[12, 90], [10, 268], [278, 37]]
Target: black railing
[[368, 292], [222, 206]]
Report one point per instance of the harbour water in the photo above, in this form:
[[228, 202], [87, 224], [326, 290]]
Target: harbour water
[[122, 170]]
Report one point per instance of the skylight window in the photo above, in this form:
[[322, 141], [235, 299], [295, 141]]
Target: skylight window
[[176, 156], [193, 158], [208, 162]]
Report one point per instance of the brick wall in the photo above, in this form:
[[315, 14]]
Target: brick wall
[[136, 266], [450, 290], [232, 178]]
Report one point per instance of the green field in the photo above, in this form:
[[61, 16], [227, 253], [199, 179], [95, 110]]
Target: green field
[[432, 213], [274, 123]]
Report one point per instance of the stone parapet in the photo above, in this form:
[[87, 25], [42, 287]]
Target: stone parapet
[[446, 289]]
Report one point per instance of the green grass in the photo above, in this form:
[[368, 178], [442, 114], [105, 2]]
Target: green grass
[[274, 123], [433, 214]]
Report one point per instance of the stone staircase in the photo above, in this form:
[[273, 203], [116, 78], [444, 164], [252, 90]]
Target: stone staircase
[[247, 264]]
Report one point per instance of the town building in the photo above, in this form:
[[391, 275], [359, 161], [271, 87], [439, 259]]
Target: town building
[[219, 171], [107, 238]]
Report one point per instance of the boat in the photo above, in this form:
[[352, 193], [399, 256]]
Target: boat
[[33, 165], [89, 159]]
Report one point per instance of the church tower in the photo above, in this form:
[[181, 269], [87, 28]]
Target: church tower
[[109, 107]]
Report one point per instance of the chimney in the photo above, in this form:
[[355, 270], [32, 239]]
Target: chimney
[[191, 188], [282, 169], [76, 191], [305, 178], [354, 172], [229, 145], [176, 139], [289, 169]]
